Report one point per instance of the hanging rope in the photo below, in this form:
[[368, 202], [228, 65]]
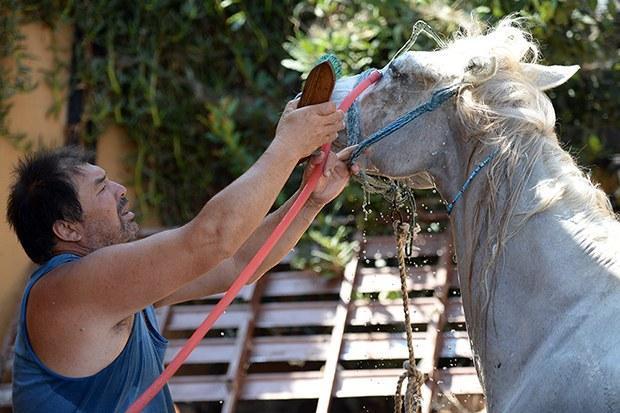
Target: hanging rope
[[415, 378]]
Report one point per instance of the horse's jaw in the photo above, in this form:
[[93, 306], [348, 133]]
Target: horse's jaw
[[418, 180], [421, 180]]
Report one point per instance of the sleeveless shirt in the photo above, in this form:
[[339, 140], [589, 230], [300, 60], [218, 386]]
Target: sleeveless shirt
[[36, 388]]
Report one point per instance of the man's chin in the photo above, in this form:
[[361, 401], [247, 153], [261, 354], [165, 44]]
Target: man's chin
[[131, 229], [134, 231]]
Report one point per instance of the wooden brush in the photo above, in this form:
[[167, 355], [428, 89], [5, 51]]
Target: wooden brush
[[320, 85]]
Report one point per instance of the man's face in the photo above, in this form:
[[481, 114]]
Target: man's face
[[106, 219]]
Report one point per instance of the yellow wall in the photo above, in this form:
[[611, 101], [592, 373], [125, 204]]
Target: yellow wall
[[114, 149], [28, 115]]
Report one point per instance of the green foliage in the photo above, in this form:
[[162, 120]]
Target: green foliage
[[359, 33], [587, 33], [199, 85], [326, 251], [15, 77], [366, 34]]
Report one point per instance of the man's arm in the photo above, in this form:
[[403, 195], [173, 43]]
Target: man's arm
[[221, 277], [334, 179], [114, 282]]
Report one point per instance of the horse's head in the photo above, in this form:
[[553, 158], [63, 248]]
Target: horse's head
[[498, 85]]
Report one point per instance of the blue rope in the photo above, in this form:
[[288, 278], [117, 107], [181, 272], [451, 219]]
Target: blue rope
[[438, 97], [353, 124], [471, 177]]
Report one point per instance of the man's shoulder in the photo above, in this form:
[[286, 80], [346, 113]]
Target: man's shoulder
[[55, 262], [64, 331]]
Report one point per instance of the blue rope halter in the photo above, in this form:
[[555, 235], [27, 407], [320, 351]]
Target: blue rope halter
[[470, 178], [438, 97]]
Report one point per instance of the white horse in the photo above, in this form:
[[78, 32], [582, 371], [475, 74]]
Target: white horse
[[537, 243]]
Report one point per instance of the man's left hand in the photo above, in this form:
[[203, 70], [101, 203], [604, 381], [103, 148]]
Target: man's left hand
[[335, 175]]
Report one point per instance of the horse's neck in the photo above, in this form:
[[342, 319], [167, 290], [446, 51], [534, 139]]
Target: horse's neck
[[543, 272]]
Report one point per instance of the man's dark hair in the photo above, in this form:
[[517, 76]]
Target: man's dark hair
[[42, 193]]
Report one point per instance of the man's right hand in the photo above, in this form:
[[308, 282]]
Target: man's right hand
[[303, 130]]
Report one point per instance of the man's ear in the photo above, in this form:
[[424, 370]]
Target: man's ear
[[67, 231]]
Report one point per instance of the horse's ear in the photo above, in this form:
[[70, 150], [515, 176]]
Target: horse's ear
[[548, 77], [480, 69]]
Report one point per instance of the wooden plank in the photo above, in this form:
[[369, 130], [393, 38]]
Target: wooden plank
[[333, 351], [453, 276], [385, 246], [391, 312], [162, 314], [5, 395], [380, 346], [244, 294], [303, 385], [306, 385], [388, 279], [185, 389], [459, 380], [293, 283], [364, 383], [314, 313], [435, 326], [299, 283], [356, 346], [210, 350], [237, 365], [189, 317], [283, 386]]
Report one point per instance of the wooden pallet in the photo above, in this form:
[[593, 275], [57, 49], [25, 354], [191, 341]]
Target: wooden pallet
[[299, 336], [295, 335]]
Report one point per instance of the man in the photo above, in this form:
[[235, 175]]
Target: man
[[87, 337]]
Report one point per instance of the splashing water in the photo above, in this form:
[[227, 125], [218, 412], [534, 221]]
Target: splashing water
[[400, 196], [418, 27]]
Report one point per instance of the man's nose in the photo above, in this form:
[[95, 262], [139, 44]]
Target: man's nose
[[121, 190]]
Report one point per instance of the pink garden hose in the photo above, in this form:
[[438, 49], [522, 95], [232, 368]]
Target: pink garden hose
[[251, 267]]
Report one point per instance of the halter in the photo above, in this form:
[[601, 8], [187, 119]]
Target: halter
[[470, 178], [438, 97]]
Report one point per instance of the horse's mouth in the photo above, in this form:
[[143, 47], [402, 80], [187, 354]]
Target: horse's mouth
[[419, 180]]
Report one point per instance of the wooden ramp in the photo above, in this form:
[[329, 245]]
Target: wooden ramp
[[295, 336]]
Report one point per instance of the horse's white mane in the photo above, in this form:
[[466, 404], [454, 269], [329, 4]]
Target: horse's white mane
[[508, 111]]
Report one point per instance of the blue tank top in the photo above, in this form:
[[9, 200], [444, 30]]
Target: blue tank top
[[36, 388]]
